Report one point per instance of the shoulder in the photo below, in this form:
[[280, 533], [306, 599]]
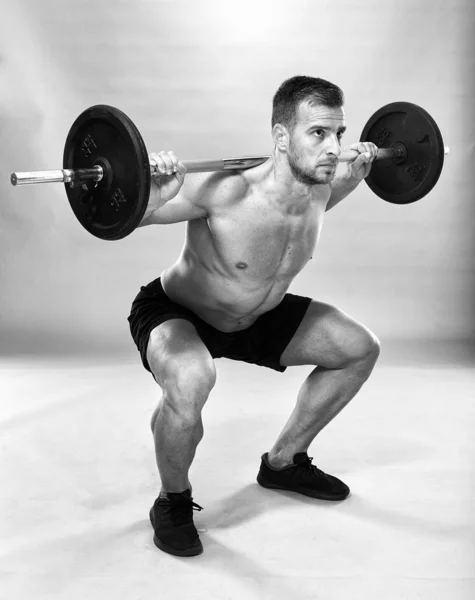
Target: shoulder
[[219, 188]]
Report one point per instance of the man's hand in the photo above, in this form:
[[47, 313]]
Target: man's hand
[[166, 181], [360, 167], [169, 176], [356, 171]]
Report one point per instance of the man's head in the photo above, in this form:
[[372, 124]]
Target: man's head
[[307, 125]]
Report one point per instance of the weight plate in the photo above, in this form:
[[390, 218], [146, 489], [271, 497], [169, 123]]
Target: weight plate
[[112, 208], [407, 180]]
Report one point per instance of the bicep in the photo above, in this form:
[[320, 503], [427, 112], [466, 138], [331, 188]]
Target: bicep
[[177, 210], [190, 203], [200, 195]]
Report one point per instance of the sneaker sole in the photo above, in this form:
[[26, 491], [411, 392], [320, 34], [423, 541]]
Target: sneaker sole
[[304, 491], [169, 550]]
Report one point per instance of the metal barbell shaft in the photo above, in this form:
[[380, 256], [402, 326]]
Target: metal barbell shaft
[[246, 162], [192, 166], [57, 176], [96, 173]]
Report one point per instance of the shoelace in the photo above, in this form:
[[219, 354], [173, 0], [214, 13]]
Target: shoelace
[[179, 513], [307, 464]]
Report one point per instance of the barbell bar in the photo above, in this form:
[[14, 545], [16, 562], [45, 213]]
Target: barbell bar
[[192, 166], [107, 170]]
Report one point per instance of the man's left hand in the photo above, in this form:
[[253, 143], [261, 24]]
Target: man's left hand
[[360, 167]]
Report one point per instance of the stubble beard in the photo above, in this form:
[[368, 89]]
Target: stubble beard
[[306, 176]]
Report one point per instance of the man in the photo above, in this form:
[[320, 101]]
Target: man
[[249, 234]]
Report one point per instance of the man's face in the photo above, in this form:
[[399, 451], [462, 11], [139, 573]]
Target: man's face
[[314, 145]]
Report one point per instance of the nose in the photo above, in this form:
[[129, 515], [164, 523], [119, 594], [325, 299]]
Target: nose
[[333, 147]]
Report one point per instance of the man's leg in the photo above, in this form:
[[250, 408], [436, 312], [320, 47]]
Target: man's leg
[[345, 352], [185, 371]]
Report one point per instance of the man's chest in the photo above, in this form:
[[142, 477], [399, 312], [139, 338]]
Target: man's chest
[[262, 243]]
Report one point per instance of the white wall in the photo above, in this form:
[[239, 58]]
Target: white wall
[[198, 77]]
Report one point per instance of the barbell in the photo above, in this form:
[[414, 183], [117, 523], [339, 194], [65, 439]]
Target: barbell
[[107, 171]]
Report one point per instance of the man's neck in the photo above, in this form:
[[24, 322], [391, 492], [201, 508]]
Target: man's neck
[[283, 190]]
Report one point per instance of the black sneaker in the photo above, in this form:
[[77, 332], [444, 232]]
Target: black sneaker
[[302, 477], [172, 521]]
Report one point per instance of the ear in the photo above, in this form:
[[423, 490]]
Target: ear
[[281, 137]]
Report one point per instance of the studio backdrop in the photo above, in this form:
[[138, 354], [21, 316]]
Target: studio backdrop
[[198, 77]]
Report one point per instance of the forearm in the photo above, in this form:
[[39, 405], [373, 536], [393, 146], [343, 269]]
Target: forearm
[[342, 186]]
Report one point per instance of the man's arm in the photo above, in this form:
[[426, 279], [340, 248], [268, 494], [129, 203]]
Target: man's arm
[[187, 205], [193, 196], [355, 172]]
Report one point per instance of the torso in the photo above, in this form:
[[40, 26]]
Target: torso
[[239, 262]]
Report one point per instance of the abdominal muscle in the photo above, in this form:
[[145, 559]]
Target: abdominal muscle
[[225, 303]]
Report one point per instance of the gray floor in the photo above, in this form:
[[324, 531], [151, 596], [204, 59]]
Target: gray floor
[[78, 477]]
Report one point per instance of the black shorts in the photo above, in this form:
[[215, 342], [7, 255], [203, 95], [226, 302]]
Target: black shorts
[[261, 344]]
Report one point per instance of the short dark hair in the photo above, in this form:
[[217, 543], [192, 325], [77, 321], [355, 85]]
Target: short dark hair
[[299, 88]]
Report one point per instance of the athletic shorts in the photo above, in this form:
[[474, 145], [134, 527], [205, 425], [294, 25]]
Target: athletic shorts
[[260, 344]]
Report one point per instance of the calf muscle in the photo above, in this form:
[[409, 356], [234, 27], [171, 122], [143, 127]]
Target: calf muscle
[[176, 439]]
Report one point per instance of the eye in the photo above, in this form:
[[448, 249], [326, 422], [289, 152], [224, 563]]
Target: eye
[[340, 134], [319, 132]]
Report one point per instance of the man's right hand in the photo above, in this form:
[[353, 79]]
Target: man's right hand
[[167, 179]]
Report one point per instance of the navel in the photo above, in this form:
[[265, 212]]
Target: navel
[[241, 265]]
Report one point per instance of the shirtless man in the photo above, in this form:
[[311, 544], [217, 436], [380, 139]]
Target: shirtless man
[[249, 234]]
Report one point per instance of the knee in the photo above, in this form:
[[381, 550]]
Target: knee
[[186, 387], [365, 350]]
